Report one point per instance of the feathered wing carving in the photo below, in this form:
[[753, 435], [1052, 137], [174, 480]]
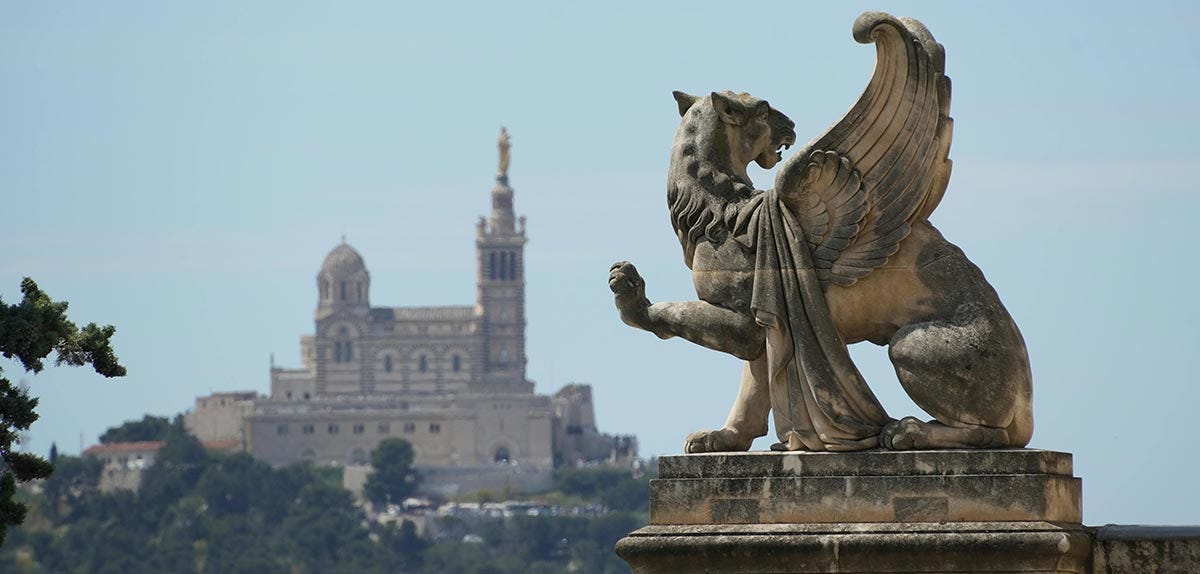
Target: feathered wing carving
[[858, 188]]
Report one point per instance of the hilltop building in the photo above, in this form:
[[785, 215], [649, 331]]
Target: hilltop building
[[125, 462], [450, 379]]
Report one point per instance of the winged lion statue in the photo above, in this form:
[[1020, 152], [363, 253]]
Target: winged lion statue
[[840, 251]]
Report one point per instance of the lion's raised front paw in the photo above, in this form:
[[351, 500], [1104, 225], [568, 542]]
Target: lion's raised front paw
[[720, 440], [629, 290]]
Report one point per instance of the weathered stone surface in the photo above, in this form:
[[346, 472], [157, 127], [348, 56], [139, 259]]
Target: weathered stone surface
[[1122, 549], [894, 548], [875, 486], [839, 251], [865, 463]]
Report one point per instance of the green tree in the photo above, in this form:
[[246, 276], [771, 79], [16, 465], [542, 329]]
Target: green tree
[[394, 478], [29, 332], [324, 529], [177, 466], [149, 428], [73, 476], [407, 547], [615, 488]]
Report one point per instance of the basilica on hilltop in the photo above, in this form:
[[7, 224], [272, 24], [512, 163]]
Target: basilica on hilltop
[[450, 379]]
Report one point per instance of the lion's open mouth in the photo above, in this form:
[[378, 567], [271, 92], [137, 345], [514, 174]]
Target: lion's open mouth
[[773, 155], [784, 143]]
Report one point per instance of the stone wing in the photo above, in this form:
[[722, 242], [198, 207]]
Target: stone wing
[[858, 188]]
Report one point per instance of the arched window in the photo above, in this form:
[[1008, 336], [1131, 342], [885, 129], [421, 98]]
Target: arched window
[[456, 363], [359, 287], [512, 265], [325, 290], [501, 456], [492, 266], [387, 363], [503, 355], [422, 364], [343, 293], [503, 265], [343, 351]]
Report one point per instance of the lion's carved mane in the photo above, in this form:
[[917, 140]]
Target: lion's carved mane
[[705, 202]]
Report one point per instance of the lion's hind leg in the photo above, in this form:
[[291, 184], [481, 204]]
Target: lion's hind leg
[[972, 374], [747, 418]]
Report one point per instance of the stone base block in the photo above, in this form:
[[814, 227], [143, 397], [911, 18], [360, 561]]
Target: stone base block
[[858, 548], [871, 486]]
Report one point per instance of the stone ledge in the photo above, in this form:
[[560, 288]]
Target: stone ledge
[[856, 528], [865, 463], [889, 547], [1128, 549]]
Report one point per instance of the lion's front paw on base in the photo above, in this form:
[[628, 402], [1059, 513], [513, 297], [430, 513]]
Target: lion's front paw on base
[[720, 440], [905, 434]]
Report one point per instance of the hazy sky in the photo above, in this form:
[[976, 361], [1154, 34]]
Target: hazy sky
[[180, 171]]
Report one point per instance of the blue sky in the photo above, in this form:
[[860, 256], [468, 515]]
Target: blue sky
[[180, 170]]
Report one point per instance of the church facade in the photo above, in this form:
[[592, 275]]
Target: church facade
[[450, 380]]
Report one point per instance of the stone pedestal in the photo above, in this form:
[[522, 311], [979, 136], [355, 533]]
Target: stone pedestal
[[877, 511]]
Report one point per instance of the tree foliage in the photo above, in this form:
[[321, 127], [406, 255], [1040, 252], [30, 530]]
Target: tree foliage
[[208, 513], [148, 429], [394, 477], [73, 478], [615, 488], [29, 332]]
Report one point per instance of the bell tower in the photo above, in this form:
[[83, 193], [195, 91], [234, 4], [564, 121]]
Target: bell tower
[[500, 280]]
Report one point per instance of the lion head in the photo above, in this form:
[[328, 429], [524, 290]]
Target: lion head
[[718, 138]]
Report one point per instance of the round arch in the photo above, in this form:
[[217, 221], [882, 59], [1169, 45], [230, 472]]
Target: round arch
[[503, 451]]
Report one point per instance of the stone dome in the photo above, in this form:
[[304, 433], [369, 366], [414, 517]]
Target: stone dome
[[343, 261]]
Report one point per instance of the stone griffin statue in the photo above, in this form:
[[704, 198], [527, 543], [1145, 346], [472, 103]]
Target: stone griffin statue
[[840, 251]]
